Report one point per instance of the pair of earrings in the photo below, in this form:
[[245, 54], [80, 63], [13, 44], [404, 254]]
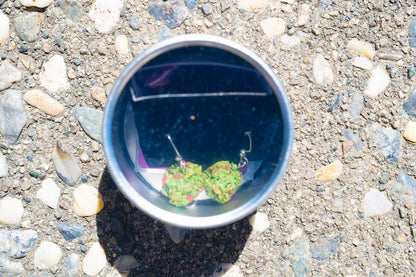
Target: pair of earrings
[[182, 183]]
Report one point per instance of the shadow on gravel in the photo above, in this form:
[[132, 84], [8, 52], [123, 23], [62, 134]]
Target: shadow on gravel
[[124, 230]]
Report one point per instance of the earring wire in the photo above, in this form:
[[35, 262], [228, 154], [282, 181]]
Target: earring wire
[[178, 158], [243, 159]]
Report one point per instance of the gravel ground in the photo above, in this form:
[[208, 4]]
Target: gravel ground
[[353, 218]]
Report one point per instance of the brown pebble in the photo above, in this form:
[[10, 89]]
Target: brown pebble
[[347, 146], [98, 93], [43, 102]]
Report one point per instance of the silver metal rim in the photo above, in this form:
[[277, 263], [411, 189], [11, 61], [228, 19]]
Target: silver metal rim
[[145, 205]]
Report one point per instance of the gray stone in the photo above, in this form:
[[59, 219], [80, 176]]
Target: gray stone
[[17, 243], [324, 249], [12, 115], [388, 141], [177, 234], [8, 75], [190, 4], [27, 26], [171, 12], [356, 105], [410, 105], [206, 9], [65, 165], [9, 268], [412, 28], [358, 144], [73, 265], [165, 34], [300, 257], [134, 23], [91, 122], [72, 9], [71, 231], [405, 187]]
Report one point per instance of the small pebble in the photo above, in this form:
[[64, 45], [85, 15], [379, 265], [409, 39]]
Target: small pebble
[[375, 203], [356, 105], [172, 13], [65, 165], [190, 4], [361, 47], [54, 77], [72, 265], [47, 255], [123, 265], [378, 82], [9, 268], [98, 94], [252, 4], [206, 9], [11, 210], [322, 71], [410, 131], [323, 250], [95, 260], [300, 257], [410, 72], [12, 115], [410, 105], [87, 200], [43, 102], [49, 193], [329, 172], [105, 14], [388, 141], [85, 158], [304, 14], [36, 3], [91, 121], [177, 234], [122, 47], [405, 187], [33, 173], [273, 27], [71, 231], [27, 26], [362, 62], [17, 243], [134, 23], [259, 222], [8, 75], [4, 28]]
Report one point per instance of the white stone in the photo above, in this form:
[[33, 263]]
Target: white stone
[[252, 4], [122, 45], [228, 270], [259, 222], [54, 77], [95, 260], [273, 27], [47, 255], [289, 42], [9, 268], [73, 265], [105, 14], [49, 193], [304, 14], [11, 210], [87, 200], [4, 28], [377, 83], [295, 235], [4, 168], [361, 47], [36, 3], [362, 62], [8, 75], [322, 71], [43, 102], [176, 234], [410, 131], [375, 203]]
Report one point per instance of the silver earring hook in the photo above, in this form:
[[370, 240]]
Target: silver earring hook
[[178, 158], [243, 159]]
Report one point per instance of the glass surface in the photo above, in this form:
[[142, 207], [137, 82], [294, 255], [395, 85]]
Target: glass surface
[[206, 99]]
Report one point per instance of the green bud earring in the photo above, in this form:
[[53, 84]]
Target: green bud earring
[[223, 178], [182, 183]]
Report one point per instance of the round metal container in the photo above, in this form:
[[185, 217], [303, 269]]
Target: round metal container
[[205, 91]]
